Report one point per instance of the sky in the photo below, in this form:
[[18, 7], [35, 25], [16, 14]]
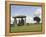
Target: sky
[[29, 11]]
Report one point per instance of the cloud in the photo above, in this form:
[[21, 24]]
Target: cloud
[[30, 20], [38, 12], [20, 14], [12, 20]]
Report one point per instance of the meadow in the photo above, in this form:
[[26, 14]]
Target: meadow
[[27, 28]]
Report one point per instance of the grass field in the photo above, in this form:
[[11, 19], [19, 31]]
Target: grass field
[[26, 28]]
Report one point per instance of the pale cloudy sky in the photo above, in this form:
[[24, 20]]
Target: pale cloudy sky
[[29, 11]]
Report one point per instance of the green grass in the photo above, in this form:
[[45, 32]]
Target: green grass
[[25, 28]]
